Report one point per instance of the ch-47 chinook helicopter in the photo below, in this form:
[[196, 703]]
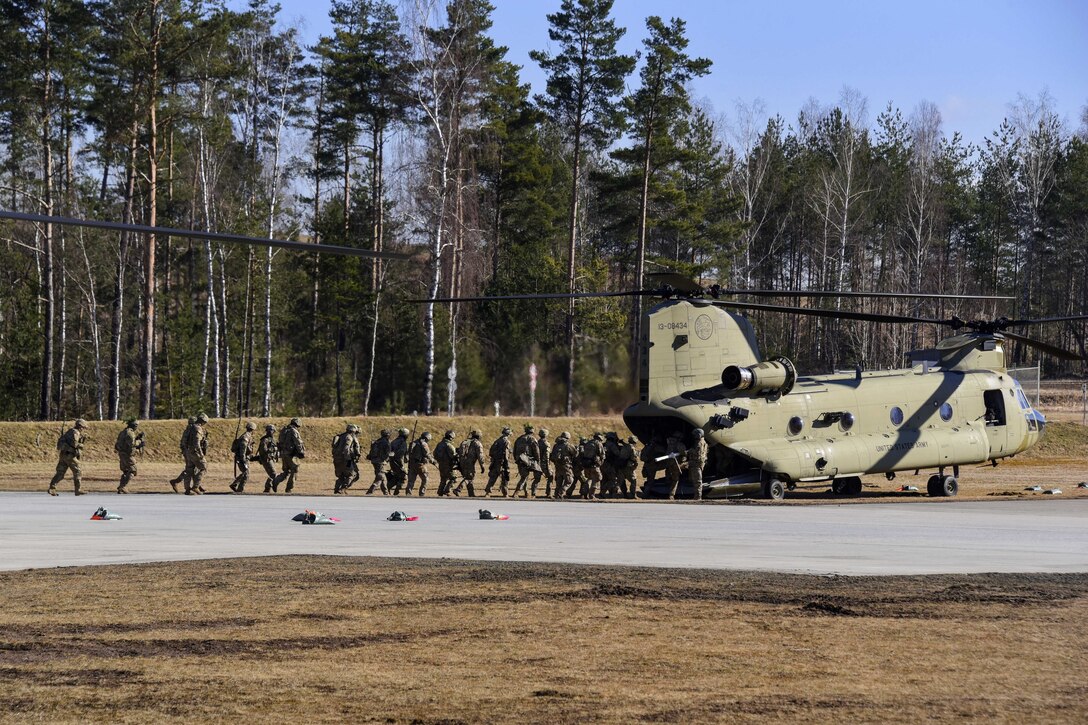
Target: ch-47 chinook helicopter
[[769, 428]]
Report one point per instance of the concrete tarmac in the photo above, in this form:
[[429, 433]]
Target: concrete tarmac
[[925, 537]]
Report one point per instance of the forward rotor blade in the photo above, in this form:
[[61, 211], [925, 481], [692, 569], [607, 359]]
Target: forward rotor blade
[[1049, 349], [1024, 323], [540, 296], [835, 314], [860, 295], [213, 236]]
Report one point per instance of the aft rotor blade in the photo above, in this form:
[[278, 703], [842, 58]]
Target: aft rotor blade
[[541, 296], [859, 295], [1041, 320], [1046, 347], [835, 314], [213, 236]]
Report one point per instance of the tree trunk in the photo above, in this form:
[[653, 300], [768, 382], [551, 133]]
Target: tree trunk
[[48, 329], [119, 283], [640, 253], [571, 254], [147, 384]]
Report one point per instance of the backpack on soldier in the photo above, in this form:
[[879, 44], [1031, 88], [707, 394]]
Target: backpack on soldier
[[464, 451], [587, 453]]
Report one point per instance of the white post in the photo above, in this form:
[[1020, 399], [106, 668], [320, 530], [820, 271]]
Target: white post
[[1084, 404], [532, 390], [496, 409]]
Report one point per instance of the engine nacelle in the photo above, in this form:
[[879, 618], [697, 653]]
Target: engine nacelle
[[776, 375]]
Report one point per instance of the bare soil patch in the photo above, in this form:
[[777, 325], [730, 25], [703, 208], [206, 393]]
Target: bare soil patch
[[330, 639]]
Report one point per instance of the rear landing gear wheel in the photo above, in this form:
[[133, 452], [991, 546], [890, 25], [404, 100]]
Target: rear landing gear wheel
[[949, 486], [933, 486], [774, 489], [849, 486]]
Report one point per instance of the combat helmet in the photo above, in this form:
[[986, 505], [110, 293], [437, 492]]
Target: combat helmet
[[201, 418], [449, 435], [528, 428], [385, 433], [598, 436], [698, 432], [295, 422], [132, 423], [565, 434], [475, 433], [543, 432], [80, 423], [251, 425], [425, 435], [269, 428], [404, 432], [506, 431]]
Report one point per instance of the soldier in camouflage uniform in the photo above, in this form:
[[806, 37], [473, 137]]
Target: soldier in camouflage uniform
[[526, 451], [345, 452], [446, 455], [591, 456], [627, 467], [292, 451], [470, 455], [696, 460], [69, 451], [194, 446], [499, 466], [129, 442], [379, 458], [649, 455], [267, 454], [609, 468], [242, 449], [398, 461], [674, 467], [181, 476], [562, 458], [418, 459], [544, 455]]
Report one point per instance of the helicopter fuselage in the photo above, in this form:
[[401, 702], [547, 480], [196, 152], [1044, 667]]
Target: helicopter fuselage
[[765, 422]]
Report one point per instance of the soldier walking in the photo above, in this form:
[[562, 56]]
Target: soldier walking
[[562, 457], [609, 468], [446, 455], [242, 449], [129, 442], [543, 455], [291, 451], [674, 467], [345, 452], [398, 461], [499, 463], [194, 447], [379, 459], [649, 455], [69, 451], [627, 466], [526, 451], [470, 454], [267, 454], [418, 460], [181, 476], [696, 460], [591, 456]]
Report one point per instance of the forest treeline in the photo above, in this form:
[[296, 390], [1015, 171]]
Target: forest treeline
[[409, 129]]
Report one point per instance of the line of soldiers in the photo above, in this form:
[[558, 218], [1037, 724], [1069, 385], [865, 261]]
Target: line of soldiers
[[603, 465]]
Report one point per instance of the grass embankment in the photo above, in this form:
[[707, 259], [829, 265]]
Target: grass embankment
[[327, 639], [36, 442]]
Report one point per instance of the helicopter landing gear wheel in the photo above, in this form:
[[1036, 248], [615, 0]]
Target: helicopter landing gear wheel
[[774, 489], [933, 486], [949, 486], [849, 486]]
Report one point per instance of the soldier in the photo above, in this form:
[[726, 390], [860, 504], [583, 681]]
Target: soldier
[[696, 460], [345, 452], [562, 457], [128, 443], [592, 456], [398, 461], [379, 458], [242, 448], [650, 466], [544, 449], [267, 454], [577, 468], [526, 451], [470, 454], [676, 464], [194, 447], [609, 468], [446, 455], [627, 467], [499, 467], [418, 459], [181, 476], [291, 451], [69, 451], [354, 460]]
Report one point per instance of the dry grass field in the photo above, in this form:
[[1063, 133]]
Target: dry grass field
[[331, 639]]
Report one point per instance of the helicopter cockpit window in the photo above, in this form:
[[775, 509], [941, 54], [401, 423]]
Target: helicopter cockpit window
[[897, 415], [946, 412], [796, 425], [846, 422], [1021, 398]]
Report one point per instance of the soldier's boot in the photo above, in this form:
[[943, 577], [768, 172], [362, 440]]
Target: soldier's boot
[[52, 489], [241, 487], [290, 484], [75, 487], [533, 493], [268, 485], [471, 491], [175, 481]]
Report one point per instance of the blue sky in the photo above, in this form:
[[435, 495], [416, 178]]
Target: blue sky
[[970, 57]]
